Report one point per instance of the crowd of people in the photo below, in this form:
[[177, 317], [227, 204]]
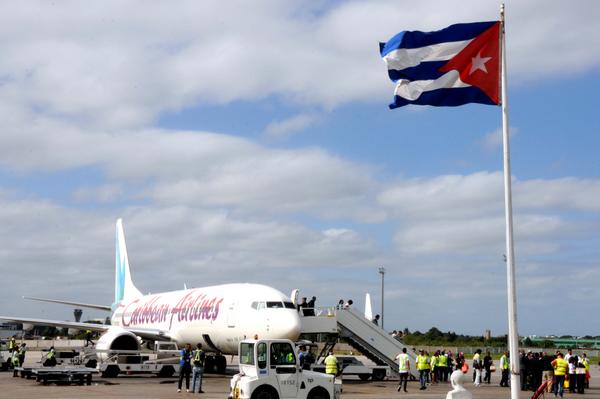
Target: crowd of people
[[555, 372], [538, 371]]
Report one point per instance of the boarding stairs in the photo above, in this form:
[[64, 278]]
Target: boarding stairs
[[368, 338]]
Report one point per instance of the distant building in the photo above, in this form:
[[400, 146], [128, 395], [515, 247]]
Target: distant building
[[487, 335], [8, 330]]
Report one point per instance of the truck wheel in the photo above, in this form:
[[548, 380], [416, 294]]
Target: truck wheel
[[209, 364], [166, 371], [318, 393], [265, 392], [220, 364], [378, 375], [111, 371], [364, 377]]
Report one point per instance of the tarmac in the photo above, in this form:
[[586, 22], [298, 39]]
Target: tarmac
[[217, 386]]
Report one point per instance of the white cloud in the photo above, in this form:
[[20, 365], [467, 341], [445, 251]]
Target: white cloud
[[493, 141], [103, 194], [123, 64], [289, 126]]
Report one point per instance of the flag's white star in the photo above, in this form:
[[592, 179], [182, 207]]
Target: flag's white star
[[478, 62]]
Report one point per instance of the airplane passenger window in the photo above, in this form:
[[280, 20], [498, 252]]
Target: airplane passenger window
[[274, 304], [289, 305]]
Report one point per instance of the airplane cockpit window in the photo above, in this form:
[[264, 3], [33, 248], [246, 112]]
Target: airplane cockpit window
[[257, 305], [289, 305], [272, 305]]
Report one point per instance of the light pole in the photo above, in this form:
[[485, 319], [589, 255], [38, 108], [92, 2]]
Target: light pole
[[382, 272]]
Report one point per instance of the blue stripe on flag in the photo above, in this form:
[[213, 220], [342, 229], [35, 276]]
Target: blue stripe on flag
[[423, 71], [416, 39], [446, 97]]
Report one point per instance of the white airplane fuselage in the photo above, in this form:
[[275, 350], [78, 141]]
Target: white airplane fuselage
[[218, 316]]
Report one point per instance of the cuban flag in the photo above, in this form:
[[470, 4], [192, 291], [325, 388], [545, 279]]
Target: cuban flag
[[450, 67]]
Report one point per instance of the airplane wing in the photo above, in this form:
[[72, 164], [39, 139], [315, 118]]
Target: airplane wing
[[57, 323], [83, 305], [145, 333]]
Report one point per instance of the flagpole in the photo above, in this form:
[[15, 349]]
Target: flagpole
[[513, 335]]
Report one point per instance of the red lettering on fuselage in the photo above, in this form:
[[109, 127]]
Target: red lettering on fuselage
[[192, 306]]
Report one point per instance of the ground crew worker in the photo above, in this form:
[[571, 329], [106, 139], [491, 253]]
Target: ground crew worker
[[50, 358], [12, 344], [331, 366], [403, 368], [586, 363], [427, 367], [433, 364], [22, 351], [560, 369], [15, 362], [185, 367], [423, 367], [505, 367], [88, 338], [198, 369], [442, 365]]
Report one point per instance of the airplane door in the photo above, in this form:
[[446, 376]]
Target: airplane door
[[231, 314]]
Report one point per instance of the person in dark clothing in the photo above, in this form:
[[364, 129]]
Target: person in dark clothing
[[185, 367], [581, 373], [523, 363], [302, 306], [376, 320], [88, 337], [572, 373], [537, 371], [487, 365], [310, 309]]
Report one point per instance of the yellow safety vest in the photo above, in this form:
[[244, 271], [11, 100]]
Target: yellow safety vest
[[15, 359], [198, 355], [433, 362], [403, 363], [561, 367], [427, 363], [422, 363], [12, 344], [442, 360], [586, 363], [331, 365], [50, 355], [504, 364]]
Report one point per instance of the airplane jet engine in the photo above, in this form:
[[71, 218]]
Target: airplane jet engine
[[116, 339]]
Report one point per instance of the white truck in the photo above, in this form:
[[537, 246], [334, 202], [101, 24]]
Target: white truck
[[163, 361], [350, 365], [269, 369]]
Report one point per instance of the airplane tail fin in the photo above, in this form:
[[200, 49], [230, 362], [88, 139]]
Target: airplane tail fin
[[124, 288]]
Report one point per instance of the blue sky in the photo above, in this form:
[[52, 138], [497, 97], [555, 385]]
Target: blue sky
[[255, 144]]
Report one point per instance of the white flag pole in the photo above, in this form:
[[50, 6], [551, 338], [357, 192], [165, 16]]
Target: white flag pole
[[513, 335]]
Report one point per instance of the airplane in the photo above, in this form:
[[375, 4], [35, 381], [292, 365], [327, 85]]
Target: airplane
[[217, 316]]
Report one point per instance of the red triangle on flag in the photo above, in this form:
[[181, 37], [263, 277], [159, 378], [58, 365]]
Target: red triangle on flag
[[478, 64]]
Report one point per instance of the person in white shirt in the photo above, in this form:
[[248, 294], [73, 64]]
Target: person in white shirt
[[403, 369]]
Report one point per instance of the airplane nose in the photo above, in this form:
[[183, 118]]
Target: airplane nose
[[288, 326]]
